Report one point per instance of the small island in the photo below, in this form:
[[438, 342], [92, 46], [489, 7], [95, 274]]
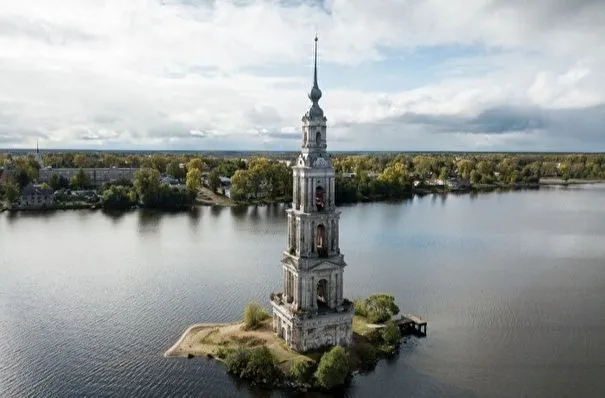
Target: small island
[[251, 350]]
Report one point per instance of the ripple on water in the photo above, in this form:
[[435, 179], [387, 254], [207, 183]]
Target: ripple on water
[[512, 296]]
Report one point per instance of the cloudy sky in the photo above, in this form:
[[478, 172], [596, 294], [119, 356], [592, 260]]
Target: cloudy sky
[[234, 74]]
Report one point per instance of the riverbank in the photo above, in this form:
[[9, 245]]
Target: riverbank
[[208, 198]]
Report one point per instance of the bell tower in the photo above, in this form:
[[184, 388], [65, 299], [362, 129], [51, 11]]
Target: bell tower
[[311, 312]]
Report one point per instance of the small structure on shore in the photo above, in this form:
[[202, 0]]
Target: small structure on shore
[[311, 312], [34, 197]]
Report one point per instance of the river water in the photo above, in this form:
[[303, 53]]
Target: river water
[[512, 284]]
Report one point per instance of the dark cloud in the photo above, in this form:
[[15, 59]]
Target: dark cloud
[[554, 13], [562, 129], [507, 119]]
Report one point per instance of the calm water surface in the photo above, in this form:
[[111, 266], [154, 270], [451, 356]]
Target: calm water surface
[[513, 286]]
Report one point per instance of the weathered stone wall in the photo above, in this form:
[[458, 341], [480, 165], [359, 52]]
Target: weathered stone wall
[[327, 330]]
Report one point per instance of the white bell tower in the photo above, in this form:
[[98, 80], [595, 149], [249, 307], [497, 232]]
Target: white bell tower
[[311, 312]]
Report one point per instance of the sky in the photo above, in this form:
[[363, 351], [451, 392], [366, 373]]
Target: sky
[[399, 75]]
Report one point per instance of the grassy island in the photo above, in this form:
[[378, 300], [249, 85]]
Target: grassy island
[[250, 349]]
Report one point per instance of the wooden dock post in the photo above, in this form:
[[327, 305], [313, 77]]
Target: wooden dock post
[[411, 323]]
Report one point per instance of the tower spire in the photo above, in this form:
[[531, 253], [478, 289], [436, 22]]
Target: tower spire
[[315, 67], [315, 94], [37, 146]]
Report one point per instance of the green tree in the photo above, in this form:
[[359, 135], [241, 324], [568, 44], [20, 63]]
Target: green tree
[[301, 371], [196, 163], [11, 190], [333, 368], [214, 182], [80, 180], [390, 334], [24, 174], [118, 197], [174, 169], [378, 308], [147, 185], [240, 185], [194, 180]]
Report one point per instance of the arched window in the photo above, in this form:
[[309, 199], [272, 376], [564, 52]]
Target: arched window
[[320, 241], [322, 294], [318, 138], [319, 198]]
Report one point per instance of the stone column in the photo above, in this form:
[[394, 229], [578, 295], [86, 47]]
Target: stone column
[[295, 193], [301, 194], [310, 190], [296, 292], [333, 189], [337, 235], [341, 284], [313, 293]]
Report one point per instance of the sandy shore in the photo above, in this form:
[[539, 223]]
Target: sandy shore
[[205, 339]]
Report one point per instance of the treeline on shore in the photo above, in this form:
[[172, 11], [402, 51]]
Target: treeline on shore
[[268, 180]]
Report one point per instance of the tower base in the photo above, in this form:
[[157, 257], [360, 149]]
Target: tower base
[[307, 333]]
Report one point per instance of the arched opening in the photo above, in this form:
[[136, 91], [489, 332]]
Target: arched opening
[[319, 198], [320, 241], [318, 138], [322, 295]]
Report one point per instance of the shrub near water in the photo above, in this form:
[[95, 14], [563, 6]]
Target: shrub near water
[[301, 371], [333, 368], [254, 315], [255, 364], [378, 308]]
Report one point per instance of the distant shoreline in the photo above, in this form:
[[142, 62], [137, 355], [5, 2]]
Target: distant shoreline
[[223, 201]]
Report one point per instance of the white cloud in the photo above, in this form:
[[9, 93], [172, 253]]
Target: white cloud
[[151, 73]]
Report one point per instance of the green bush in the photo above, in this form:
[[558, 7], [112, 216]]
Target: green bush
[[261, 366], [302, 370], [390, 334], [333, 368], [236, 361], [254, 315], [254, 364], [378, 308]]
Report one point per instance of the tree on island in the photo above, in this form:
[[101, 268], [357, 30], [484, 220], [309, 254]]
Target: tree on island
[[378, 308], [333, 368]]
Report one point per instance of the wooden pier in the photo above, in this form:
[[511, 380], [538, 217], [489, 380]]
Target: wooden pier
[[411, 324]]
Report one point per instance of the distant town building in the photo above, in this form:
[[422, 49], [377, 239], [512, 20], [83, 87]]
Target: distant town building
[[98, 176], [35, 197]]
